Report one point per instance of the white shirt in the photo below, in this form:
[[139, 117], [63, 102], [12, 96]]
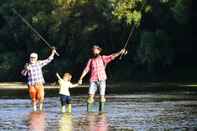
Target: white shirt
[[64, 87]]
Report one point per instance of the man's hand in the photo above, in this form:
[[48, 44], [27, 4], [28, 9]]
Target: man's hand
[[53, 51], [123, 51], [27, 66]]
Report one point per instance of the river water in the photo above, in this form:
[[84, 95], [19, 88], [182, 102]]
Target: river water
[[138, 112]]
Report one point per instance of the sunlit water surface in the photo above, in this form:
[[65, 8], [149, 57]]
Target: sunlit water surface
[[172, 111]]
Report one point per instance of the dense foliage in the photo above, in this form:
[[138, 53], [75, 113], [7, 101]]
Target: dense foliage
[[162, 41]]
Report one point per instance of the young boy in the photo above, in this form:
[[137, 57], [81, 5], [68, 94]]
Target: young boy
[[35, 80], [64, 93]]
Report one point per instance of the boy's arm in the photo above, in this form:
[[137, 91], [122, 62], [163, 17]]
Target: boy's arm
[[73, 85], [58, 76]]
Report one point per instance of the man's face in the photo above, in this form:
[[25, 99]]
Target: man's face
[[33, 60], [96, 51]]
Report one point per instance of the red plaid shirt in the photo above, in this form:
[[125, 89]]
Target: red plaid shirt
[[96, 66]]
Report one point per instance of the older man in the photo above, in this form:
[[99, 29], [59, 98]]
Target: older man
[[96, 65], [35, 80]]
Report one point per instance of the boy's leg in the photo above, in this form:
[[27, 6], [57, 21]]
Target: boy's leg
[[102, 87], [62, 100], [92, 90], [40, 95], [33, 95], [69, 105]]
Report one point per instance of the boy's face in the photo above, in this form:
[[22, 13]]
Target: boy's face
[[67, 78], [33, 60]]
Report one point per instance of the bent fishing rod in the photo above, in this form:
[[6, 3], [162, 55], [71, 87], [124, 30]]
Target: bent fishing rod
[[131, 33], [33, 30]]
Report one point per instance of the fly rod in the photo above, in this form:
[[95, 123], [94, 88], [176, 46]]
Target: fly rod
[[33, 29], [130, 34]]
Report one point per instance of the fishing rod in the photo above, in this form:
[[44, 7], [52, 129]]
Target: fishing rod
[[131, 33], [33, 29]]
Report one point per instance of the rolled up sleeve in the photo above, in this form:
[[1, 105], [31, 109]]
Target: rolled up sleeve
[[107, 58], [46, 61]]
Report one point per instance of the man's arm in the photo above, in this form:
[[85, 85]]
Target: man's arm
[[49, 59], [85, 71], [25, 70], [82, 76], [115, 55]]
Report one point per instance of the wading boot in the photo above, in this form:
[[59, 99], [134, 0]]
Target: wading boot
[[63, 109], [69, 108], [102, 104], [41, 106], [34, 107], [90, 104]]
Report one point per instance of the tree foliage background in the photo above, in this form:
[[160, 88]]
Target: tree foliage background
[[160, 49]]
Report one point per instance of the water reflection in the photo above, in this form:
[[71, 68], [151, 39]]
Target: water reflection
[[95, 122], [36, 121], [65, 123], [127, 112]]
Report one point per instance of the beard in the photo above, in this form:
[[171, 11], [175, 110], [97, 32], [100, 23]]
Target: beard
[[95, 55]]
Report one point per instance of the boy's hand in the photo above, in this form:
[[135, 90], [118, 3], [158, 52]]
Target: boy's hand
[[80, 82]]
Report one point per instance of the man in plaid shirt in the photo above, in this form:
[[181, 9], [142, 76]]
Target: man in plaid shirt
[[96, 67], [35, 80]]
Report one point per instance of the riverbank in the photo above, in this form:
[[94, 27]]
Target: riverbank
[[20, 90], [133, 85]]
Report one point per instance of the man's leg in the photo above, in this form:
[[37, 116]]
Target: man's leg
[[33, 95], [40, 89], [92, 90], [102, 87]]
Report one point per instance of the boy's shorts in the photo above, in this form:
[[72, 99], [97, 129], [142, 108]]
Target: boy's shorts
[[65, 99], [100, 84]]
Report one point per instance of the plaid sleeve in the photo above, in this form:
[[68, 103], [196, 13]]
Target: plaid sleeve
[[107, 58], [46, 61], [87, 68]]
